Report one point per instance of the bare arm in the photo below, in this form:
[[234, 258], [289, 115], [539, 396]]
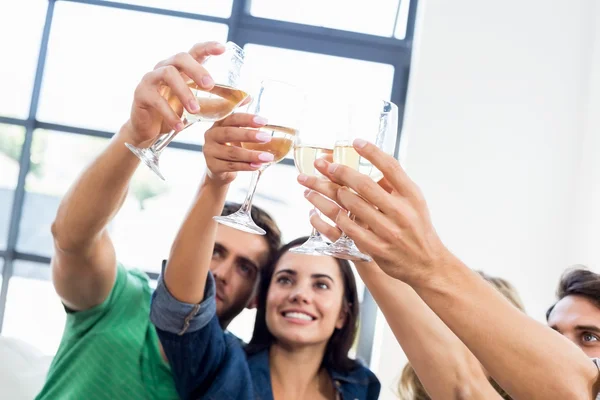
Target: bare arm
[[528, 359], [84, 264], [444, 365]]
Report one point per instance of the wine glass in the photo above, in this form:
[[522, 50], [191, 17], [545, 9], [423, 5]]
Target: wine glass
[[216, 104], [377, 122], [281, 104], [325, 121]]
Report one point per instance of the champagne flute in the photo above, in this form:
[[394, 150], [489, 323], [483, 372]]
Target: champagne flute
[[377, 122], [325, 121], [281, 104], [216, 104]]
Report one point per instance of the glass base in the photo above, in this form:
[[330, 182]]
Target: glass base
[[314, 246], [149, 158], [242, 222], [345, 249]]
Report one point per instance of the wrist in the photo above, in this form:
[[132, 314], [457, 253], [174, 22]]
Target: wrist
[[445, 274]]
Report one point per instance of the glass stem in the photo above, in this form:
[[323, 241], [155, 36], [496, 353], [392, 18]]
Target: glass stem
[[315, 233], [245, 209], [163, 140]]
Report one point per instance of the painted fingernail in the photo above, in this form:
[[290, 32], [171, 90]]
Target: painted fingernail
[[207, 81], [256, 165], [332, 168], [194, 106], [302, 178], [259, 120], [266, 157], [360, 143], [320, 163], [263, 137], [179, 126]]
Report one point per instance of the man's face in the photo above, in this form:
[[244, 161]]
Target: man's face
[[578, 319], [237, 259]]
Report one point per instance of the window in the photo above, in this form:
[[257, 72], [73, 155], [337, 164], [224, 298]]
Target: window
[[56, 161], [11, 141], [375, 18], [40, 319], [80, 92], [19, 55], [217, 8], [93, 86]]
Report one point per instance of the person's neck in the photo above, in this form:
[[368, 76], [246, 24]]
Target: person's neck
[[296, 372]]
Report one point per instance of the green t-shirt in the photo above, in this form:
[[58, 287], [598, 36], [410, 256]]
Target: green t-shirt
[[111, 351]]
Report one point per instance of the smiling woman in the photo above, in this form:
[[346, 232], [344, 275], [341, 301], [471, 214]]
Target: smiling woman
[[307, 315]]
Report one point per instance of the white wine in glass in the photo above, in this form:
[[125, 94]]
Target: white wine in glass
[[374, 121], [279, 103], [304, 157], [282, 140], [215, 104], [345, 154]]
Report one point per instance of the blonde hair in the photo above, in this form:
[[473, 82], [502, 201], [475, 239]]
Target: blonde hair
[[411, 388]]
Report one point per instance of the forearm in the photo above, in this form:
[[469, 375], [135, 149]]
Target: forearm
[[96, 196], [445, 366], [528, 359], [192, 249]]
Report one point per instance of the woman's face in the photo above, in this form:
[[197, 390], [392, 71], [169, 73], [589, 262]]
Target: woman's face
[[304, 303], [578, 319]]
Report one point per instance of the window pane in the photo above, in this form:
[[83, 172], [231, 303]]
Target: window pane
[[216, 8], [11, 141], [328, 74], [19, 46], [34, 312], [350, 15], [56, 160], [402, 21], [93, 86], [325, 74], [146, 225], [280, 195]]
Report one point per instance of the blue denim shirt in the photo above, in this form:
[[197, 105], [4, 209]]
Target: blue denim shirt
[[208, 363]]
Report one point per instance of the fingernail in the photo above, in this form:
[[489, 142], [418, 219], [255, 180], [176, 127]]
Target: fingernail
[[360, 143], [263, 137], [302, 178], [219, 46], [179, 126], [255, 165], [307, 192], [193, 106], [320, 163], [332, 168], [260, 120], [207, 81], [266, 157], [312, 212]]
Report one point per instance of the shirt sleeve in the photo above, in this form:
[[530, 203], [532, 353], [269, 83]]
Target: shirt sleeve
[[192, 338]]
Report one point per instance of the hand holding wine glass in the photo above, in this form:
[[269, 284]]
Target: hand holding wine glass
[[151, 113], [281, 104], [201, 85], [222, 146], [372, 120]]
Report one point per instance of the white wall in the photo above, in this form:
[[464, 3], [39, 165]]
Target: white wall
[[494, 136], [585, 228]]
